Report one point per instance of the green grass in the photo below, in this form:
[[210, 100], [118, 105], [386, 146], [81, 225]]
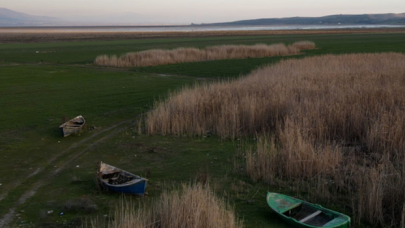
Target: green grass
[[34, 95], [34, 98]]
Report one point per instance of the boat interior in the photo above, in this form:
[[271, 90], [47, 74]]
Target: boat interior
[[307, 214], [114, 176], [117, 178], [78, 122], [75, 122]]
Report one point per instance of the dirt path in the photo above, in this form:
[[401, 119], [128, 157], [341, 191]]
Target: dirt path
[[115, 129]]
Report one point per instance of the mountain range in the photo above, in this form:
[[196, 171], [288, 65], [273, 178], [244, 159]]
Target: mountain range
[[362, 19], [10, 18], [13, 18]]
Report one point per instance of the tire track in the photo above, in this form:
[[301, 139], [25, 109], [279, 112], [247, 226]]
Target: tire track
[[6, 219]]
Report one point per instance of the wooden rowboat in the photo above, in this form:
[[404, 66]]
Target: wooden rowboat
[[72, 126], [118, 180], [299, 213]]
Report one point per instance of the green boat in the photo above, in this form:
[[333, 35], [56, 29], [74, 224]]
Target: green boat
[[299, 213]]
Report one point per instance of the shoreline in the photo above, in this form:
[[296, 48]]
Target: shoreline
[[30, 35]]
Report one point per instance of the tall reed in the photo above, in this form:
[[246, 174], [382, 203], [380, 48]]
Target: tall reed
[[179, 55], [350, 99]]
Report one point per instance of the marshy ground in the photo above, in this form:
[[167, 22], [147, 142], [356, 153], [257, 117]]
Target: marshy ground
[[47, 178]]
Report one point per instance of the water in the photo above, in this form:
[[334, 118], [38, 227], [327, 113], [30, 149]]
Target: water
[[199, 28]]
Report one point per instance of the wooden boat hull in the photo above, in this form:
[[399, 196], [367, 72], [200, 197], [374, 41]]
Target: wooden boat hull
[[302, 214], [73, 126], [118, 180]]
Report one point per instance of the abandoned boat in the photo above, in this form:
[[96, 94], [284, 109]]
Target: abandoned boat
[[72, 126], [118, 180], [299, 213]]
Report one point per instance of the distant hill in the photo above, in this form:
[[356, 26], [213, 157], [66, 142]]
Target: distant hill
[[364, 19], [10, 18], [13, 18]]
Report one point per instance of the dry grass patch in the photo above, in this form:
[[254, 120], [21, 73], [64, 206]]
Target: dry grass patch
[[191, 207], [181, 55], [304, 45]]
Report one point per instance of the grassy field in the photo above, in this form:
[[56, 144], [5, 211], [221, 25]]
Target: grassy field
[[44, 83]]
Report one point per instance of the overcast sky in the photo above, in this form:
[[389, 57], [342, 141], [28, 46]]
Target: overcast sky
[[199, 11]]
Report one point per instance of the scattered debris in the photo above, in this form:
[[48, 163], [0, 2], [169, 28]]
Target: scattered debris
[[117, 178]]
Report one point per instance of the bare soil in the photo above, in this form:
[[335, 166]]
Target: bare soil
[[33, 35]]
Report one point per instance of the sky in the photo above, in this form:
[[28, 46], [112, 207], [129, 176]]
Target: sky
[[197, 11]]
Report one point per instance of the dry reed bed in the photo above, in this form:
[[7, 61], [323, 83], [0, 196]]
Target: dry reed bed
[[180, 55], [193, 206], [337, 119], [346, 98]]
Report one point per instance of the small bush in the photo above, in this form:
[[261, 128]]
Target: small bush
[[191, 207]]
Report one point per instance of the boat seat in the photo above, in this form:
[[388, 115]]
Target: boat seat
[[290, 207], [310, 216]]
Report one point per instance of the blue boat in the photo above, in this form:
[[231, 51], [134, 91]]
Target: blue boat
[[118, 180]]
